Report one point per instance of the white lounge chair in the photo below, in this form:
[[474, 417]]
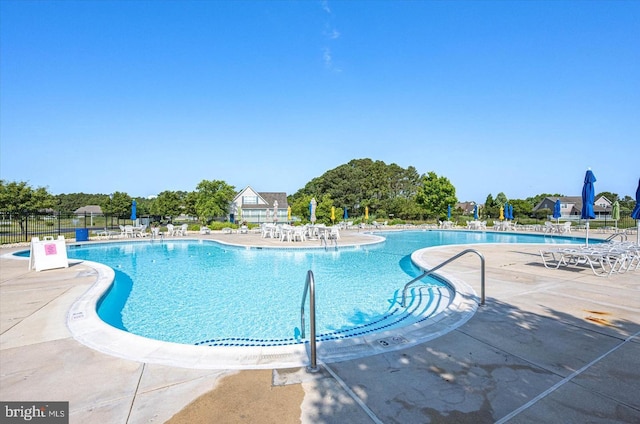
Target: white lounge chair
[[604, 260]]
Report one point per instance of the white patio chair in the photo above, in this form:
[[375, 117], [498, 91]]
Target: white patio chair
[[299, 233], [128, 231], [182, 230]]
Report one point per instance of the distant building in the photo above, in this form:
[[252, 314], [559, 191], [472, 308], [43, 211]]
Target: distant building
[[466, 207], [90, 210], [257, 207], [571, 206]]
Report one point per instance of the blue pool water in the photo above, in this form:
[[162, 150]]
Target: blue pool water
[[202, 292]]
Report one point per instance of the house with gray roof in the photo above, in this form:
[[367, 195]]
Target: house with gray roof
[[89, 210], [467, 207], [571, 206], [257, 207]]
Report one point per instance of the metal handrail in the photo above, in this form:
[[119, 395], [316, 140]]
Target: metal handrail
[[432, 270], [326, 238], [623, 236], [310, 286]]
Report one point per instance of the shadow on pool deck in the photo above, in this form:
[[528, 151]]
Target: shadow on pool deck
[[548, 346]]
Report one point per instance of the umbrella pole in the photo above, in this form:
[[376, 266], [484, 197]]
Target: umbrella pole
[[587, 236], [638, 234]]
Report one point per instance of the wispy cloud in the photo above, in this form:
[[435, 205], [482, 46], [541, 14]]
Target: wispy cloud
[[325, 6], [327, 58], [330, 33]]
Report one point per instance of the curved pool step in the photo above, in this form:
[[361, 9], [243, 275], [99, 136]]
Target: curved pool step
[[424, 301]]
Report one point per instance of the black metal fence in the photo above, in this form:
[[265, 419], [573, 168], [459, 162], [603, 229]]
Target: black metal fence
[[21, 227]]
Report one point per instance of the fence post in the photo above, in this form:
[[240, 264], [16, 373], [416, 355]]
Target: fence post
[[26, 227]]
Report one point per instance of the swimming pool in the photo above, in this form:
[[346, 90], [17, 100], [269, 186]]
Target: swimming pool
[[206, 293], [211, 295]]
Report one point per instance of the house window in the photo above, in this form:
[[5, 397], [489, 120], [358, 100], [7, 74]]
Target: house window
[[249, 200]]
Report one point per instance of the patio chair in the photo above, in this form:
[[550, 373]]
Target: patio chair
[[128, 231], [142, 231], [299, 233]]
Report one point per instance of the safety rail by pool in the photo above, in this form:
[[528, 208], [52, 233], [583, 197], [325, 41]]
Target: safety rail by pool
[[310, 286], [622, 235], [451, 259]]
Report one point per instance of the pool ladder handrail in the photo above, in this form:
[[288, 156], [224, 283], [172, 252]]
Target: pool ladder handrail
[[451, 259], [325, 239], [310, 286], [622, 235]]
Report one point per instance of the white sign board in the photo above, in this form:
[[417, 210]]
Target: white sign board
[[48, 253]]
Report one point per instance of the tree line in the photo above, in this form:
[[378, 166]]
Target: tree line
[[385, 190]]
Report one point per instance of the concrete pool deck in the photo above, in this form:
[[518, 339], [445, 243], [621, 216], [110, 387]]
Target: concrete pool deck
[[549, 346]]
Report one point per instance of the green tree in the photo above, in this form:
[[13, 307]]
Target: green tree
[[323, 210], [19, 198], [492, 206], [300, 206], [167, 204], [521, 208], [72, 201], [117, 204], [435, 195], [190, 201], [213, 199], [364, 182], [627, 203]]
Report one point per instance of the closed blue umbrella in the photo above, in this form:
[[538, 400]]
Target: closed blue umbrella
[[346, 214], [635, 214], [475, 212], [556, 211], [133, 210], [511, 211], [588, 194], [448, 212]]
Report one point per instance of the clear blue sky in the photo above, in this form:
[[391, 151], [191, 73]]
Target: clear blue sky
[[519, 97]]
